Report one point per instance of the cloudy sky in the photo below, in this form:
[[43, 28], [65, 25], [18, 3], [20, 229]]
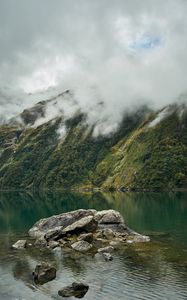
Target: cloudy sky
[[121, 52]]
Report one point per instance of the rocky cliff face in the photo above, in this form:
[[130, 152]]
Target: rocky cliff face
[[148, 151]]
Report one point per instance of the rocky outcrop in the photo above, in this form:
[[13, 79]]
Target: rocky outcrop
[[77, 290], [44, 273], [85, 231], [58, 223]]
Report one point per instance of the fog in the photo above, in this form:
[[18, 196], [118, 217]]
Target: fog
[[113, 55]]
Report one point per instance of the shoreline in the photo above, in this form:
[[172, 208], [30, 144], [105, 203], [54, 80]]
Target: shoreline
[[95, 190]]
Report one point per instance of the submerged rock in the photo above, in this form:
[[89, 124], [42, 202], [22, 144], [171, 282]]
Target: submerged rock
[[44, 273], [138, 238], [21, 244], [104, 256], [77, 290], [108, 249], [107, 256], [81, 246]]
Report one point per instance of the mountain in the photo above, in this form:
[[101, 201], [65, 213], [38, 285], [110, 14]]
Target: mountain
[[148, 151]]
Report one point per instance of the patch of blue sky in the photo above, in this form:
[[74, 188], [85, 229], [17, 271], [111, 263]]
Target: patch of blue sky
[[146, 42]]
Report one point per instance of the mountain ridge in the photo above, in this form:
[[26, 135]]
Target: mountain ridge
[[148, 151]]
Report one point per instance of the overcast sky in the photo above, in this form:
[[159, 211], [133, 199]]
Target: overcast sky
[[122, 52]]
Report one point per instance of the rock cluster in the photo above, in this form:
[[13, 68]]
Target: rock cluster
[[84, 231]]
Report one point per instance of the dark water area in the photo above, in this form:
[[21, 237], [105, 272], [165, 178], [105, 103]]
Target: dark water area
[[155, 270]]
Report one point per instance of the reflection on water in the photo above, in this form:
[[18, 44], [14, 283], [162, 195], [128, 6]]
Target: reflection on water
[[156, 270]]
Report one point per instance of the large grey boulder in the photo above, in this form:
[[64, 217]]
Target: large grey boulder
[[63, 220], [44, 273], [54, 233], [77, 290], [87, 224], [109, 217]]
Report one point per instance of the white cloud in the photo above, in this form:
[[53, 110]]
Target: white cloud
[[123, 53]]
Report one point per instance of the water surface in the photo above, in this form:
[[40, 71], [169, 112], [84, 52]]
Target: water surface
[[156, 270]]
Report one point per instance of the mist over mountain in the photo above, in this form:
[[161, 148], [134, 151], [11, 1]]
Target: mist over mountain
[[123, 54], [49, 146]]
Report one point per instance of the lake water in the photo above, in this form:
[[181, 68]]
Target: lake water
[[155, 270]]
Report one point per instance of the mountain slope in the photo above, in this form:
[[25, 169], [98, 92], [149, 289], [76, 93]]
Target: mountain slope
[[148, 151], [152, 158]]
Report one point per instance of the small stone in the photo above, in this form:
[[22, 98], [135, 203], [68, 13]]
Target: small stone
[[40, 243], [62, 242], [100, 243], [107, 256], [81, 246], [21, 244], [53, 244], [138, 238], [57, 250], [115, 243], [105, 249], [98, 234], [88, 237], [44, 273], [108, 233], [78, 290]]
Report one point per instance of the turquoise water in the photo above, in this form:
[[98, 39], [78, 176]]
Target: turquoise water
[[156, 270]]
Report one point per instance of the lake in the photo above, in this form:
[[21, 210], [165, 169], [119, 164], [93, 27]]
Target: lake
[[155, 270]]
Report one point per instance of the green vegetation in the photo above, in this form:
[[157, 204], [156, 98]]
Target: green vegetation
[[135, 157]]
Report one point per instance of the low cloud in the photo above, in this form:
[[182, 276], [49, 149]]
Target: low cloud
[[113, 55]]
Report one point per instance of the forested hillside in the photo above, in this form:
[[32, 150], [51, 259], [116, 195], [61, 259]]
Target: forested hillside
[[148, 151]]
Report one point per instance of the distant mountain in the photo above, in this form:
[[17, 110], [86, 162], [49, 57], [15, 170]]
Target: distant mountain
[[148, 151]]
